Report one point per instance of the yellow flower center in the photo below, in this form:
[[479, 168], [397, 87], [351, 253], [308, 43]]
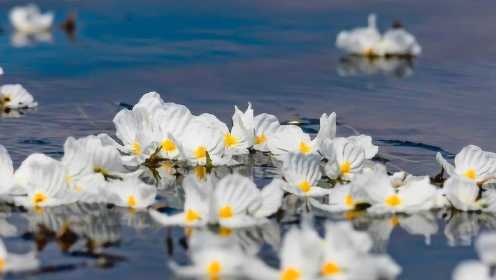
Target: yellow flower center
[[330, 269], [226, 212], [290, 274], [349, 202], [345, 168], [230, 140], [78, 188], [260, 139], [471, 174], [39, 198], [191, 216], [168, 146], [305, 186], [136, 149], [69, 179], [393, 200], [132, 201], [214, 269], [200, 153], [2, 264], [304, 148], [5, 100], [224, 232]]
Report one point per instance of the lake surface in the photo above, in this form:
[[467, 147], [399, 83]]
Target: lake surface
[[280, 56]]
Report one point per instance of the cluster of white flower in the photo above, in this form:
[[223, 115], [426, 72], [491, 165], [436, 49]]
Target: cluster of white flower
[[368, 41], [158, 140], [30, 25]]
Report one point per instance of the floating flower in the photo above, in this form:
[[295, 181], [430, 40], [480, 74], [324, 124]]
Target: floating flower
[[292, 139], [388, 194], [234, 202], [302, 174], [340, 198], [345, 158], [131, 192], [472, 163], [16, 97], [29, 19], [242, 135], [368, 41], [16, 263], [43, 180], [6, 171], [265, 126], [464, 195]]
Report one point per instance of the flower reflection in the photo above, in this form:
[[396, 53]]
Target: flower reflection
[[21, 39], [353, 65]]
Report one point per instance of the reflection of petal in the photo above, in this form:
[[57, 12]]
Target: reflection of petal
[[462, 227], [7, 229], [137, 220], [421, 223], [380, 231], [364, 66], [20, 39]]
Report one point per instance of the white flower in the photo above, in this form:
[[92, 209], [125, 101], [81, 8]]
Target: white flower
[[242, 135], [292, 139], [362, 40], [43, 179], [234, 202], [29, 19], [339, 199], [212, 259], [299, 258], [472, 163], [465, 195], [6, 171], [365, 142], [387, 194], [302, 174], [265, 126], [203, 138], [16, 263], [345, 158], [131, 192], [90, 163], [368, 41], [16, 97], [471, 270], [196, 205]]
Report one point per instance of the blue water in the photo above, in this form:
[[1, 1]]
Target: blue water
[[280, 56]]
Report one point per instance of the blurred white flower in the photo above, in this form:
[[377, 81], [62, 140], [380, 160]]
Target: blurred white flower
[[16, 97], [29, 19]]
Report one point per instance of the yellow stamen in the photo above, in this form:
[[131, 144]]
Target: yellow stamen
[[132, 201], [470, 174], [349, 202], [192, 216], [69, 179], [136, 149], [230, 140], [39, 198], [78, 188], [214, 269], [260, 139], [224, 232], [330, 269], [393, 200], [369, 52], [305, 186], [290, 274], [305, 148], [345, 168], [168, 146], [226, 212], [2, 264], [200, 153]]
